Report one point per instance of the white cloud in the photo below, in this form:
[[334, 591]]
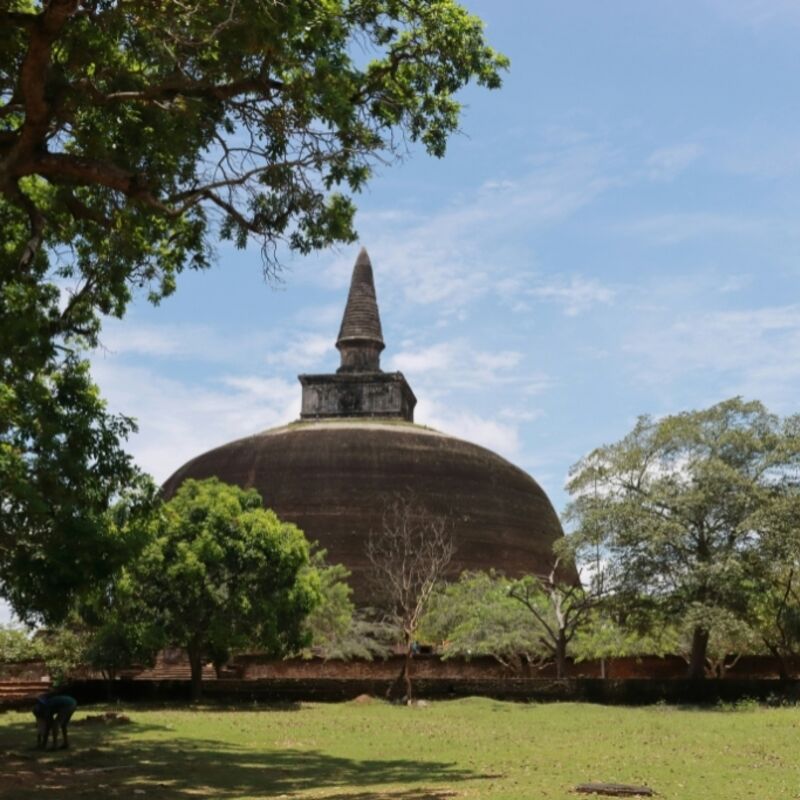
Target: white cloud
[[166, 340], [437, 357], [734, 283], [759, 13], [669, 229], [500, 437], [453, 257], [751, 352], [576, 295], [181, 419], [130, 337], [326, 316], [666, 163], [522, 414], [457, 364], [303, 351]]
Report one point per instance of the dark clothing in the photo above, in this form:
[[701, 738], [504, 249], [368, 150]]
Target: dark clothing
[[57, 702]]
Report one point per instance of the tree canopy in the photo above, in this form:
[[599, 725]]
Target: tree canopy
[[132, 137], [476, 616], [677, 509], [221, 572], [131, 134]]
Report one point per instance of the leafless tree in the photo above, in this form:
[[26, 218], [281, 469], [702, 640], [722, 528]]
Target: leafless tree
[[408, 556]]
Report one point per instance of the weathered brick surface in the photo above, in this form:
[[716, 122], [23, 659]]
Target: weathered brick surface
[[333, 479]]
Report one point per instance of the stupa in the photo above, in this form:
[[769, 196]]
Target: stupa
[[356, 446]]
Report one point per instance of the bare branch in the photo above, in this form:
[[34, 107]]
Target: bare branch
[[409, 555]]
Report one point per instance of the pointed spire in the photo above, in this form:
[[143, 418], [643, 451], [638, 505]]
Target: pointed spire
[[360, 337]]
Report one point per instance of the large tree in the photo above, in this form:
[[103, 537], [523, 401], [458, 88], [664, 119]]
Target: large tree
[[674, 508], [223, 573], [61, 464], [132, 135]]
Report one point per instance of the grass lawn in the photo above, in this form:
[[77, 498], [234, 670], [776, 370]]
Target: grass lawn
[[474, 748]]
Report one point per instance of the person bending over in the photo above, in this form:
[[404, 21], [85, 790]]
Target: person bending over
[[53, 712]]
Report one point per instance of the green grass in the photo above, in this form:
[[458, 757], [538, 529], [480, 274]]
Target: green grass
[[474, 748]]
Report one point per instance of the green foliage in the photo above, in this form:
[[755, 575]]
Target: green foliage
[[476, 616], [730, 637], [17, 644], [221, 573], [604, 637], [328, 624], [774, 604], [61, 464], [122, 632], [336, 628], [674, 507], [166, 125], [64, 650], [132, 136]]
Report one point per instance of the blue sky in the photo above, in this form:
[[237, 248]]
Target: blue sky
[[616, 232]]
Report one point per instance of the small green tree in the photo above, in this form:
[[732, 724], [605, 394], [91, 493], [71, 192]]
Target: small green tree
[[64, 649], [602, 638], [476, 616], [528, 620], [559, 609], [729, 638], [223, 573], [17, 644]]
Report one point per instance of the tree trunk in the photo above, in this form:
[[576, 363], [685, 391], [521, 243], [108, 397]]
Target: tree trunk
[[402, 689], [697, 660], [561, 656], [783, 668], [407, 672], [780, 656], [108, 680], [196, 664]]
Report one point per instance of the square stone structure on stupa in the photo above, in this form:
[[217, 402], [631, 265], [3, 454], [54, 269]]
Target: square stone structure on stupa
[[359, 388]]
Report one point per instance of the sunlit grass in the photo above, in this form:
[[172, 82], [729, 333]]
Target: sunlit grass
[[474, 748]]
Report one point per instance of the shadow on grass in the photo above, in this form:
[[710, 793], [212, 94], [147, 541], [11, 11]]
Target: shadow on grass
[[114, 761]]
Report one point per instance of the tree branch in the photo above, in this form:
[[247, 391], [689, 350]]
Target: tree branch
[[33, 76]]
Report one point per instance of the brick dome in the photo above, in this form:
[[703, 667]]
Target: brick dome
[[332, 478]]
